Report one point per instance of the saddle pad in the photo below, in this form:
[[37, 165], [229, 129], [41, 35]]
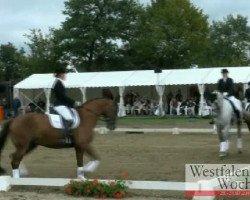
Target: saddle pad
[[56, 121]]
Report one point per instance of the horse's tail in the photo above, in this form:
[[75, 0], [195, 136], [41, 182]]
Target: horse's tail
[[3, 138]]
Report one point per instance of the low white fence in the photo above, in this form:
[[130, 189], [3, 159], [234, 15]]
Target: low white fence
[[6, 182]]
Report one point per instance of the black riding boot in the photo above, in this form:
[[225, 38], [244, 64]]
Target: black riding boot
[[66, 131]]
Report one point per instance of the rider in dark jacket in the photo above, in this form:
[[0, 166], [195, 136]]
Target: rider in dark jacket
[[63, 103], [226, 85]]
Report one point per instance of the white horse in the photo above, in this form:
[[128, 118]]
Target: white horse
[[225, 115]]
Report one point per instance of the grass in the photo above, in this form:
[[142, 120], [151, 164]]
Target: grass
[[169, 121]]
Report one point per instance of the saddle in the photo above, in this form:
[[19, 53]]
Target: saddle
[[57, 120]]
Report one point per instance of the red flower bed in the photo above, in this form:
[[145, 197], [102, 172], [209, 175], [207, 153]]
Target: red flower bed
[[114, 189]]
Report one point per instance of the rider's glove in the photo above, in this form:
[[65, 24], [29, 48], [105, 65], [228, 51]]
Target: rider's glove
[[78, 103], [225, 94]]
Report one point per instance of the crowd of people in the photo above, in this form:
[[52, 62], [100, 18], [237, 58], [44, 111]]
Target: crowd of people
[[173, 105], [10, 109], [137, 105]]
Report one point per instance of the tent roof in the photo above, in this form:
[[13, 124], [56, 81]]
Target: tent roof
[[137, 78]]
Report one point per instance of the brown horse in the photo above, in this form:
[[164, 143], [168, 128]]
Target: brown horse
[[31, 130]]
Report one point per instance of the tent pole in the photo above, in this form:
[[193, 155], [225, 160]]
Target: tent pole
[[201, 88], [122, 111]]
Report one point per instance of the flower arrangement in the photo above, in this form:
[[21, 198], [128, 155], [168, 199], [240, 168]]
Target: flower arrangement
[[93, 188]]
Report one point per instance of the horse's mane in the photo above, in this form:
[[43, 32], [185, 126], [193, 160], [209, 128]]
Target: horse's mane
[[91, 100]]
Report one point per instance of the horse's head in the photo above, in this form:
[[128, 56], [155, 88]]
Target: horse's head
[[110, 114], [217, 101]]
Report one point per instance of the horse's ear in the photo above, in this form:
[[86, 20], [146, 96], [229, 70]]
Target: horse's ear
[[212, 97]]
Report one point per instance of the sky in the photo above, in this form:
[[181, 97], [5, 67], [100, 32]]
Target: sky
[[17, 17]]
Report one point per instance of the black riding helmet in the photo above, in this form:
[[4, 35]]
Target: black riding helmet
[[60, 70], [224, 71]]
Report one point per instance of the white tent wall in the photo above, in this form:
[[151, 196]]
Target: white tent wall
[[31, 96]]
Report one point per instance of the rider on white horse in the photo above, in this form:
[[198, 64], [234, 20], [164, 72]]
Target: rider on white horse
[[62, 103], [247, 96], [226, 87]]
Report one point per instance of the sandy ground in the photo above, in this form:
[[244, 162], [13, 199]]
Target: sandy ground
[[143, 156]]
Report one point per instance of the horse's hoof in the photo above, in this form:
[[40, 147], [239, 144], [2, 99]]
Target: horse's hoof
[[81, 177], [2, 171], [91, 166], [223, 154]]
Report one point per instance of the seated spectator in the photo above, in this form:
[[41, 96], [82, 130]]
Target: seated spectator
[[137, 106], [30, 108], [41, 105], [191, 107], [183, 107], [152, 107]]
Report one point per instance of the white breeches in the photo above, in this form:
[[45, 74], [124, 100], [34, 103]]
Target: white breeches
[[236, 103], [64, 112]]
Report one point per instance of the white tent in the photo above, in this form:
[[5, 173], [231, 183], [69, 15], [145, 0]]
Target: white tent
[[122, 79]]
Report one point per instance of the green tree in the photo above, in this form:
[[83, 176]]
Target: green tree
[[42, 57], [11, 62], [94, 31], [229, 40], [172, 33]]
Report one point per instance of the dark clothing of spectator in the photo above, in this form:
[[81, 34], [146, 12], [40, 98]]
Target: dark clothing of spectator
[[179, 97], [191, 104], [169, 97], [41, 105], [129, 98], [106, 93], [16, 106]]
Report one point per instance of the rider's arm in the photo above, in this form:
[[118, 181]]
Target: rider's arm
[[231, 87], [219, 86], [60, 93]]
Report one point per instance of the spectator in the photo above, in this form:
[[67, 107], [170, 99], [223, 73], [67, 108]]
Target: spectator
[[16, 106], [6, 105], [183, 107], [137, 107], [169, 97], [129, 98], [41, 105], [152, 107], [178, 96], [173, 106], [191, 107], [106, 93]]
